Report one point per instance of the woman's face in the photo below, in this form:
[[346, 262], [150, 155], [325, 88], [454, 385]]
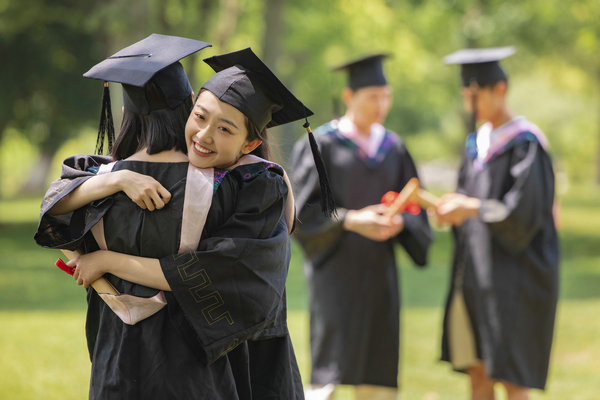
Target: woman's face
[[216, 133]]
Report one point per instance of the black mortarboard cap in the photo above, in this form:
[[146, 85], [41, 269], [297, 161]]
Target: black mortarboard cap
[[154, 58], [366, 71], [480, 66], [246, 83]]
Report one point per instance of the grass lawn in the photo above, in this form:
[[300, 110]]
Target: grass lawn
[[42, 318]]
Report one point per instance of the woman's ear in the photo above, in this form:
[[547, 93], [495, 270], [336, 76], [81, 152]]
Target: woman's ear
[[250, 146]]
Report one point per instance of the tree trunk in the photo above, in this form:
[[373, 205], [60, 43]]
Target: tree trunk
[[282, 138], [273, 31], [598, 151], [37, 182], [3, 125], [162, 16], [229, 15]]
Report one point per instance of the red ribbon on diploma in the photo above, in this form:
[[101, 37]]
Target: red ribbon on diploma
[[62, 265], [411, 206]]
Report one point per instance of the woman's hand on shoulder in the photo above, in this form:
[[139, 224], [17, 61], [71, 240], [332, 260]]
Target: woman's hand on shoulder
[[143, 190]]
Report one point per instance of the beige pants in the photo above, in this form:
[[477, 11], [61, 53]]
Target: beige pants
[[461, 339], [361, 392]]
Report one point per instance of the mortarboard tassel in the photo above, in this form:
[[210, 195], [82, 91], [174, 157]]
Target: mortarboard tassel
[[473, 86], [327, 202], [106, 127]]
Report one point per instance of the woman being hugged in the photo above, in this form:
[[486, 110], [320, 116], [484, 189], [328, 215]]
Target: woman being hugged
[[219, 251]]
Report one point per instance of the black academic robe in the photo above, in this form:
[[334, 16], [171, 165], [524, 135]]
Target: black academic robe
[[352, 281], [225, 316], [506, 263]]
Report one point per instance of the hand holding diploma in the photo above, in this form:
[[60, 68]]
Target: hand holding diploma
[[371, 223], [100, 284], [130, 309], [455, 208]]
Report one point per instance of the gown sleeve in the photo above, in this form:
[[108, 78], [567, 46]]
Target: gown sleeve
[[525, 207], [66, 231], [416, 235], [318, 233], [231, 288]]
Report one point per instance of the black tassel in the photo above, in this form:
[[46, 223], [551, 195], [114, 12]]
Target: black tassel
[[106, 127], [327, 202], [473, 122]]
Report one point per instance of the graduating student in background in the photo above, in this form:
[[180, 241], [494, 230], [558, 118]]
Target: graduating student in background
[[223, 330], [349, 259], [500, 312]]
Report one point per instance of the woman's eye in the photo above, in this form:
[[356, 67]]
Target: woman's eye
[[200, 116], [225, 129]]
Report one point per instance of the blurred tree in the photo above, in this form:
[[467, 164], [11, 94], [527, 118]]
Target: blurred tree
[[273, 31], [45, 48]]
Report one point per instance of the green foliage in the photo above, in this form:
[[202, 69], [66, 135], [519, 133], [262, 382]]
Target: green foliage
[[45, 50], [555, 76]]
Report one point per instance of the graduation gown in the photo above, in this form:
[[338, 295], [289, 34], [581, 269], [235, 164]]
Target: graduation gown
[[225, 316], [352, 281], [505, 261]]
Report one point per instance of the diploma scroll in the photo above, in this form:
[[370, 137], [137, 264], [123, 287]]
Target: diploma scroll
[[130, 309], [101, 285], [411, 192]]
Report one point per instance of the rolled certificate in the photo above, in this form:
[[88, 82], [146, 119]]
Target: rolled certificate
[[101, 285]]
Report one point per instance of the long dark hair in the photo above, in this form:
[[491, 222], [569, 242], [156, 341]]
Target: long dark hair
[[264, 149], [157, 131]]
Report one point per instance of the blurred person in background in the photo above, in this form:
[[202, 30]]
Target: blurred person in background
[[500, 311], [350, 261]]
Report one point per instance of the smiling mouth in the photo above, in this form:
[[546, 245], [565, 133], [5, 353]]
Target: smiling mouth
[[201, 149]]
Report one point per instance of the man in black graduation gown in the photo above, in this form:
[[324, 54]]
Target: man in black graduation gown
[[349, 259], [500, 312]]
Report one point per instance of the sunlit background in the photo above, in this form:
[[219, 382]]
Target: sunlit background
[[49, 111]]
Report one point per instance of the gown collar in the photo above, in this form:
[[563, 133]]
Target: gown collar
[[488, 143], [372, 149]]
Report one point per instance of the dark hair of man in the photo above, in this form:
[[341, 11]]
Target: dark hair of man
[[493, 84], [160, 130]]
